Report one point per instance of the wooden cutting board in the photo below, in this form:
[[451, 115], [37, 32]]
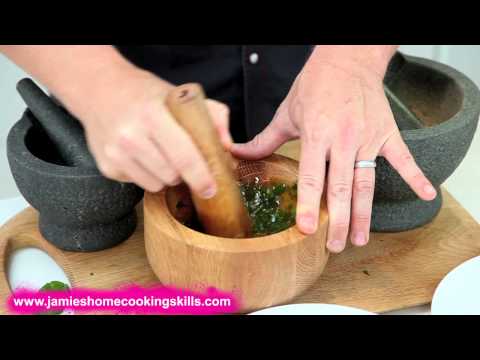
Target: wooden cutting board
[[393, 271]]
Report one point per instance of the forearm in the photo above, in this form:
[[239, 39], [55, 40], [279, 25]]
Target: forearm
[[372, 57], [76, 74]]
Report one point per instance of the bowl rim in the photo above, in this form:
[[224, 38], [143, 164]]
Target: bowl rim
[[290, 236]]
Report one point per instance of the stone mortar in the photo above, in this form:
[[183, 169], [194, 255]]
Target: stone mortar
[[436, 108], [80, 210]]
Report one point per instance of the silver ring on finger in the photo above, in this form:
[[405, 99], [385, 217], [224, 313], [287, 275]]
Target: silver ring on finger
[[365, 164]]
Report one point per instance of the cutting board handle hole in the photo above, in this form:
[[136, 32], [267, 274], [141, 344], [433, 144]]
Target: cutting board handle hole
[[32, 268]]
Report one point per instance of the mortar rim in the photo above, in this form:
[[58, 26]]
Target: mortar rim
[[470, 101], [17, 148]]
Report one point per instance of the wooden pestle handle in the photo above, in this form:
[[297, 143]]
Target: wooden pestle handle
[[225, 214]]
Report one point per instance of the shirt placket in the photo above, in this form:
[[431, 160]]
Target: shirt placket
[[250, 57]]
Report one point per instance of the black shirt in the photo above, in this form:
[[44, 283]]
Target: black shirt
[[251, 80]]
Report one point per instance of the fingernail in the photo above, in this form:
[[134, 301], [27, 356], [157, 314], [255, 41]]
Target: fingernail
[[308, 223], [429, 190], [360, 239], [335, 246], [238, 146], [209, 193], [177, 182]]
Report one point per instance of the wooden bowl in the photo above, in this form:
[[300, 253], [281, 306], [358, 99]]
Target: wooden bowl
[[260, 271]]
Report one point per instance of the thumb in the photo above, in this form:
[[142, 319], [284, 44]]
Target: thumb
[[265, 143]]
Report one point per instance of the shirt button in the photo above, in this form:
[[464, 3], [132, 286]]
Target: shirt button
[[253, 58]]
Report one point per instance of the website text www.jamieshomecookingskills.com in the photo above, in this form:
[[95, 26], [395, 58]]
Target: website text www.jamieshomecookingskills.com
[[132, 300]]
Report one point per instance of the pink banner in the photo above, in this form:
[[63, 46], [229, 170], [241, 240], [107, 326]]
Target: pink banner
[[127, 300]]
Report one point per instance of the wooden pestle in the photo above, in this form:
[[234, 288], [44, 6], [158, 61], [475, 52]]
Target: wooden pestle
[[225, 214]]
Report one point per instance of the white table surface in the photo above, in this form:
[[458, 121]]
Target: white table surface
[[34, 268]]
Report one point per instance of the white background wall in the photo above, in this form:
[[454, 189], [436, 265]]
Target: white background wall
[[462, 184]]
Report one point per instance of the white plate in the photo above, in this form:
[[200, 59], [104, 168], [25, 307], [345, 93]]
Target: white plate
[[459, 292], [312, 309]]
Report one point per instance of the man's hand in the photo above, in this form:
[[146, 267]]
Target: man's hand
[[130, 132], [134, 137], [338, 108]]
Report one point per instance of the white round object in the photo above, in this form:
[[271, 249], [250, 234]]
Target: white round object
[[253, 58], [312, 309], [459, 292], [32, 268]]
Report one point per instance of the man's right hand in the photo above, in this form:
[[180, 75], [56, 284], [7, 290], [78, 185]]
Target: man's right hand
[[134, 137], [130, 132]]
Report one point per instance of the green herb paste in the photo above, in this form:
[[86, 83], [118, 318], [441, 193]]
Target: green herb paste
[[271, 206]]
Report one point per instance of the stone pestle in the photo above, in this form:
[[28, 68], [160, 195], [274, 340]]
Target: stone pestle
[[65, 132]]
